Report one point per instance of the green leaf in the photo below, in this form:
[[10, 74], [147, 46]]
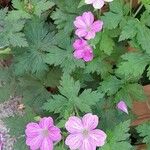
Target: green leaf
[[145, 18], [99, 66], [129, 30], [32, 59], [110, 85], [118, 138], [82, 3], [64, 58], [144, 131], [25, 10], [20, 144], [42, 6], [11, 32], [115, 15], [133, 65], [107, 44], [111, 20], [70, 98], [63, 20], [143, 37]]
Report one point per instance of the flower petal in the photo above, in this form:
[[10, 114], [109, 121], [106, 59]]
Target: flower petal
[[74, 125], [88, 18], [90, 35], [54, 133], [97, 26], [90, 121], [32, 129], [88, 56], [87, 145], [89, 1], [78, 54], [47, 144], [81, 32], [98, 4], [98, 137], [122, 106], [79, 23], [74, 141], [79, 43], [46, 122], [35, 142]]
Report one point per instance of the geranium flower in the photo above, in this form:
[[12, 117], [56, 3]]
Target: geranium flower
[[97, 4], [83, 135], [82, 50], [86, 26], [42, 135], [122, 106]]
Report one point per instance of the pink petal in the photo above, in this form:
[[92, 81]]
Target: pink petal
[[88, 56], [78, 54], [79, 23], [90, 121], [98, 4], [32, 129], [90, 35], [81, 32], [98, 137], [89, 1], [74, 141], [88, 18], [46, 122], [79, 43], [54, 133], [122, 106], [74, 125], [87, 145], [97, 26], [47, 144], [35, 142]]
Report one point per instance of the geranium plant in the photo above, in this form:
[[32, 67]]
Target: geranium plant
[[71, 63]]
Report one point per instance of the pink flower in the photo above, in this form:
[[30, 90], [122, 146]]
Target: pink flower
[[86, 26], [42, 135], [82, 50], [122, 106], [83, 135], [97, 4]]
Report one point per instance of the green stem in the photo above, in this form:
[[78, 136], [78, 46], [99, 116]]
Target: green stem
[[131, 7], [76, 110], [140, 7]]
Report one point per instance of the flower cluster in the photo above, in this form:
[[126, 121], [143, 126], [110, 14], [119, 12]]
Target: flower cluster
[[83, 135], [86, 29]]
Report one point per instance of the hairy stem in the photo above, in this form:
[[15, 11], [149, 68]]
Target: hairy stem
[[138, 10]]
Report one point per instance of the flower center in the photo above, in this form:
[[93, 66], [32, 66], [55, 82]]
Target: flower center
[[45, 132], [85, 133], [88, 28]]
